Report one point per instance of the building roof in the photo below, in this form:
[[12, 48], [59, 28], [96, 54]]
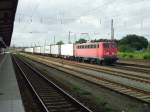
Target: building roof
[[7, 15]]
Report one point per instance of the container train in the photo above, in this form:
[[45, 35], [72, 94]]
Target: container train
[[93, 52]]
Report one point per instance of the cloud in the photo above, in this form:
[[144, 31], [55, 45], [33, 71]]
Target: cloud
[[41, 20]]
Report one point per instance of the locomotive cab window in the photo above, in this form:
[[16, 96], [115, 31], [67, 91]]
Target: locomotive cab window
[[114, 45], [92, 46], [98, 46], [106, 45]]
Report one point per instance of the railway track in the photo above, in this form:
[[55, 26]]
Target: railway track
[[51, 97], [132, 68], [124, 74], [123, 66], [135, 63], [115, 86]]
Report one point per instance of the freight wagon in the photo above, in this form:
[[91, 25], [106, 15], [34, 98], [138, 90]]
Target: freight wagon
[[28, 50], [97, 52], [55, 50], [67, 51], [42, 50], [37, 50], [47, 49]]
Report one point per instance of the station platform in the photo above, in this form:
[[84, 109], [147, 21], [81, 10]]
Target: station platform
[[1, 57], [10, 98]]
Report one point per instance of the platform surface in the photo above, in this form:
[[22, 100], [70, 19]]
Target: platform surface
[[1, 57], [10, 98]]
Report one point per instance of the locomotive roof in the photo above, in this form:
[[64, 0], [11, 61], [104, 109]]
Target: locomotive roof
[[93, 43]]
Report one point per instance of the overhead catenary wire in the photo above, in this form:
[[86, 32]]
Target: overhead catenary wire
[[33, 12]]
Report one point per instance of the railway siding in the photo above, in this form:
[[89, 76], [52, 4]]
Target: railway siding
[[104, 69], [137, 62]]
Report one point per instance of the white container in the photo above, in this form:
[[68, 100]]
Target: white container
[[55, 49], [67, 50], [47, 49], [29, 50], [37, 50], [42, 49]]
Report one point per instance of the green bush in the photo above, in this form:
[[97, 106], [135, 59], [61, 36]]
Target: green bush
[[134, 55], [124, 55], [146, 56], [125, 48], [148, 48], [130, 55], [128, 52]]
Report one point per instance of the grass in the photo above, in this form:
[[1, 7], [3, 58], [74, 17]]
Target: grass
[[99, 100], [104, 105], [135, 55], [80, 91]]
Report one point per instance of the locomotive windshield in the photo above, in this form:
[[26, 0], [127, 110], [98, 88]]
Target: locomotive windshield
[[106, 45], [114, 45], [110, 45]]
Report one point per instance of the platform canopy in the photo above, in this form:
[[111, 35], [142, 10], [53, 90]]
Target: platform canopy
[[7, 15]]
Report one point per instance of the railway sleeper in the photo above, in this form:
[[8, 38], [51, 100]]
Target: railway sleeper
[[126, 90], [49, 95], [138, 95], [54, 100], [132, 93], [60, 106], [47, 92], [145, 97], [51, 98], [121, 89], [71, 109], [57, 103], [45, 89]]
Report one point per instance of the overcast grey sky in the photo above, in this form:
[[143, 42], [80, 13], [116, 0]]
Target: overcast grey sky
[[38, 21]]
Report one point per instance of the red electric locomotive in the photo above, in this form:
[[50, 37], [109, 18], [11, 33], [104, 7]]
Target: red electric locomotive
[[100, 52]]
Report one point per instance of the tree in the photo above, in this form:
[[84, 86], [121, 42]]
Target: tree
[[81, 40], [132, 42], [60, 42], [148, 46]]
